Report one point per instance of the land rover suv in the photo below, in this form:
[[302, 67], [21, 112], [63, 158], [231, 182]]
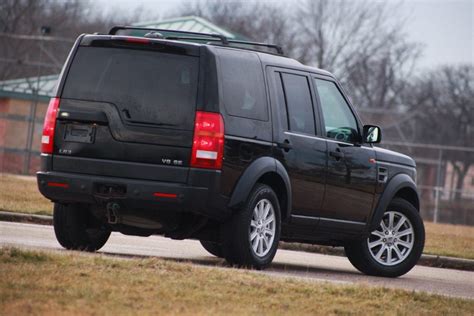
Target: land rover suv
[[227, 142]]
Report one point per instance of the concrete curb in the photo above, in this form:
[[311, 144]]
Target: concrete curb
[[425, 260], [26, 218]]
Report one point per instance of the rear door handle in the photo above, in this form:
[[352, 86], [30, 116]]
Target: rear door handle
[[336, 154], [285, 145]]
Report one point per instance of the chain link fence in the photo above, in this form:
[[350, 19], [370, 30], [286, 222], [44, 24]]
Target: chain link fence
[[446, 192]]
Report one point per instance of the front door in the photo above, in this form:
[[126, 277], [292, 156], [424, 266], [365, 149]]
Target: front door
[[351, 177], [298, 148]]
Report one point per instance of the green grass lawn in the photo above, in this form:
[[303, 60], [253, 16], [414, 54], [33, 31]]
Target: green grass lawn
[[20, 194], [73, 283]]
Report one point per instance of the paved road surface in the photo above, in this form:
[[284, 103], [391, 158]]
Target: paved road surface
[[286, 263]]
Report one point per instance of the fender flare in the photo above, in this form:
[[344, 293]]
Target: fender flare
[[250, 176], [397, 183]]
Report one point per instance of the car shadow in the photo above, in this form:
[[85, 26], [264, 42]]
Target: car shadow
[[278, 267]]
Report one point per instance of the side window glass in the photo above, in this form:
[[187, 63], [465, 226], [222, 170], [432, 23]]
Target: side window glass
[[280, 96], [243, 84], [339, 121], [298, 103]]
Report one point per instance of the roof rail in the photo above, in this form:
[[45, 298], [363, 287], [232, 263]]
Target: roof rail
[[197, 37]]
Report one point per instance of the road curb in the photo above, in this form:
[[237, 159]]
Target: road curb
[[425, 260], [446, 262], [26, 218]]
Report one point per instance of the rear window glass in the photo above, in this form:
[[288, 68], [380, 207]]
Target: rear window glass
[[243, 84], [146, 87]]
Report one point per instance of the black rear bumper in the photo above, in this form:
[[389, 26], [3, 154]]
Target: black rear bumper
[[200, 195]]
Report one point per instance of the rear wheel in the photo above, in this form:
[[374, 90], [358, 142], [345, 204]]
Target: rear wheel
[[394, 247], [251, 237], [213, 248], [77, 229]]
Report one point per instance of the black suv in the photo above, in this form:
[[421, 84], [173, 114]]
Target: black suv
[[197, 136]]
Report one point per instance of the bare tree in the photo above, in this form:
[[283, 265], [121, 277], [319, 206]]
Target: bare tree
[[444, 98], [251, 20], [360, 41], [23, 53]]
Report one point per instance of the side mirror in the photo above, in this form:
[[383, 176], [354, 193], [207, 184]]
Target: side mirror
[[372, 134]]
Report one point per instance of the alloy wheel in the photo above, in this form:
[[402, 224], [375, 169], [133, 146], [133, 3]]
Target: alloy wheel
[[262, 228], [392, 242]]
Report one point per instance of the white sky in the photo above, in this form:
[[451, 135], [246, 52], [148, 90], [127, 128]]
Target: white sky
[[444, 27]]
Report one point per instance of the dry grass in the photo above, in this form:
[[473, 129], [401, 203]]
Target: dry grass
[[449, 240], [71, 283], [20, 194]]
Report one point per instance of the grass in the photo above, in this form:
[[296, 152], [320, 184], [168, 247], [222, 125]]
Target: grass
[[449, 240], [20, 194], [72, 283]]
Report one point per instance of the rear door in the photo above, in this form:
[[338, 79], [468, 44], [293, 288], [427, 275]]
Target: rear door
[[299, 149], [128, 109], [351, 177]]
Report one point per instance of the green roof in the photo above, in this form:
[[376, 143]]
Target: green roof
[[25, 88], [187, 23], [29, 88]]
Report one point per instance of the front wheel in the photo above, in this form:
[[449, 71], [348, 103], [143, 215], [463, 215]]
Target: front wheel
[[251, 237], [394, 247]]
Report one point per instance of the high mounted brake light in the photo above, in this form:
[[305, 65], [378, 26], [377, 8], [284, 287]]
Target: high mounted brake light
[[208, 142], [137, 40], [47, 140]]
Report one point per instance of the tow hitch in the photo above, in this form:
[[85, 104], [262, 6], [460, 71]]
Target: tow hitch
[[112, 210]]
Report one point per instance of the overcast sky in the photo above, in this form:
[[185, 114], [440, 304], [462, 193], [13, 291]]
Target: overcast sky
[[444, 27]]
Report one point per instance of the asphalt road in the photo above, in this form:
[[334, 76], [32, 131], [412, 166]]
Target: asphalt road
[[309, 266]]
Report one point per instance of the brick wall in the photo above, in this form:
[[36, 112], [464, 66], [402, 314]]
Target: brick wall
[[15, 123]]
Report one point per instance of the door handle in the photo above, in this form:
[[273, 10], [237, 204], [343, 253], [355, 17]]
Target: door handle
[[336, 154], [286, 146]]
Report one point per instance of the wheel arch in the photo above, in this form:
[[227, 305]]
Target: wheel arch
[[269, 171], [402, 186]]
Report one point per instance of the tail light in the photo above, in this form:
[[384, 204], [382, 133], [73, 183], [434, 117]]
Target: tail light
[[208, 142], [49, 125]]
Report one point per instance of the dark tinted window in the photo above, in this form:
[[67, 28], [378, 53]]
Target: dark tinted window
[[280, 96], [339, 120], [147, 87], [298, 102], [243, 84]]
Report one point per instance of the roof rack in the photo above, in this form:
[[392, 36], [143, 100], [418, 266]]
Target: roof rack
[[195, 36]]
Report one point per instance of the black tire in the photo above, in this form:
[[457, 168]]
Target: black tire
[[213, 248], [359, 254], [77, 229], [237, 247]]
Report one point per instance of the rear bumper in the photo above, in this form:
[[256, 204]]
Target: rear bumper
[[200, 195]]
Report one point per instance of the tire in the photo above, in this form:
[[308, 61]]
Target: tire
[[375, 259], [213, 248], [77, 229], [250, 227]]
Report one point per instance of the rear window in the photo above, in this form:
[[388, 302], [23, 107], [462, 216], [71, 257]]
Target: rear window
[[147, 87], [243, 84]]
